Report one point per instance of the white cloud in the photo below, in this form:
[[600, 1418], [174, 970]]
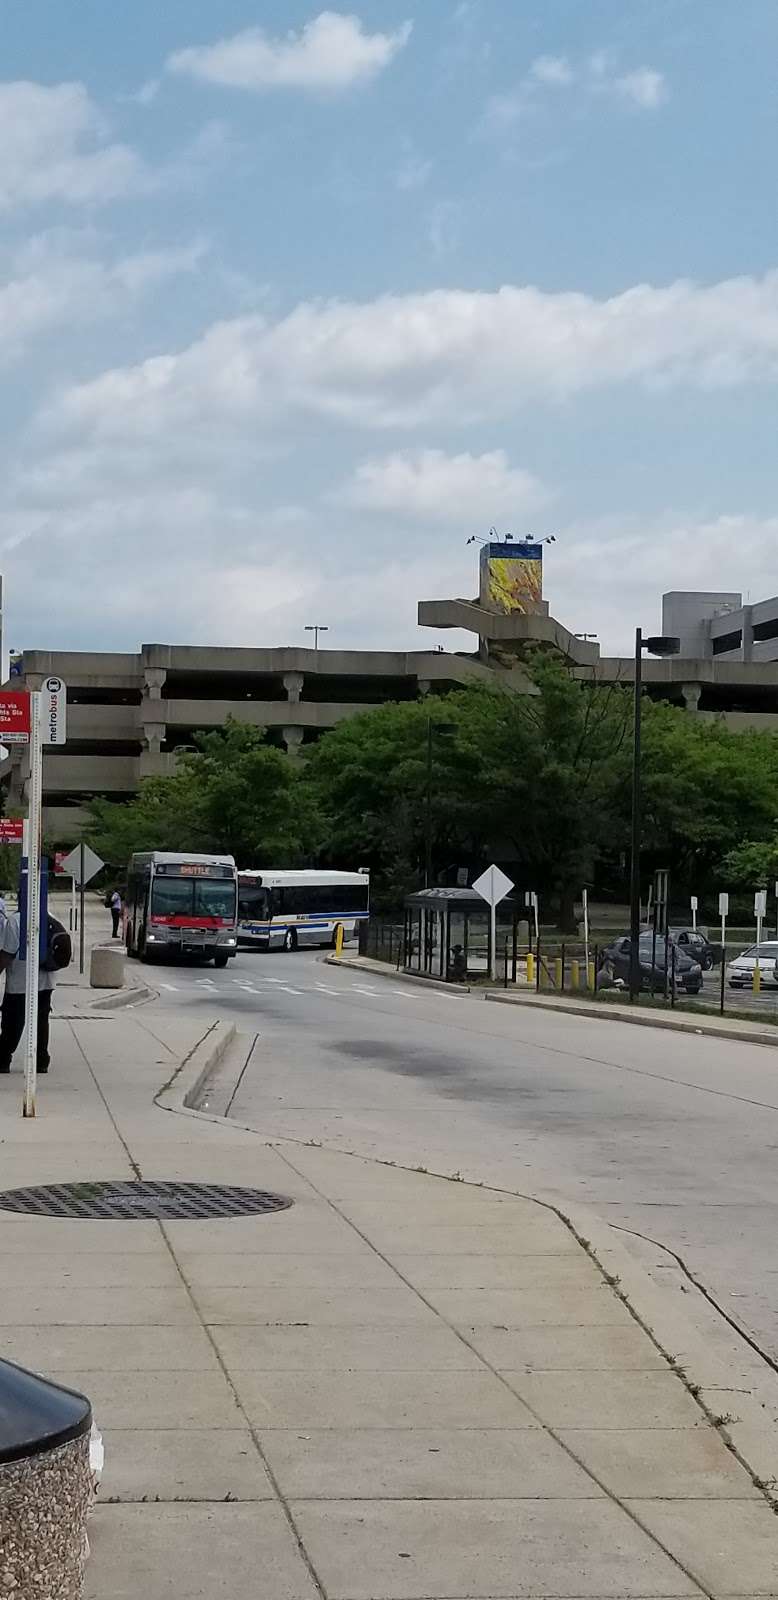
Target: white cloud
[[332, 52], [555, 71], [451, 355], [428, 486], [645, 88], [53, 284], [55, 147]]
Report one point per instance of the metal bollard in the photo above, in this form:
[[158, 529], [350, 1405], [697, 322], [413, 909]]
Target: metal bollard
[[530, 967], [756, 982], [339, 940], [591, 977], [575, 974], [558, 973]]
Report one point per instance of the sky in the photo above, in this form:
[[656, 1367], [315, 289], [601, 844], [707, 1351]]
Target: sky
[[294, 302]]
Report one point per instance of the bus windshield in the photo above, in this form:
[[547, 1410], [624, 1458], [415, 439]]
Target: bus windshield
[[193, 897]]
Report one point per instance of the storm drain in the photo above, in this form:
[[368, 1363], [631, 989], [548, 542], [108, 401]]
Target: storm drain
[[131, 1202]]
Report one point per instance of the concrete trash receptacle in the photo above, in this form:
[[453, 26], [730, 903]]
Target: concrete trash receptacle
[[45, 1487], [106, 967]]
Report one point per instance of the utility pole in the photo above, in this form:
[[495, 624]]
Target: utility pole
[[316, 628]]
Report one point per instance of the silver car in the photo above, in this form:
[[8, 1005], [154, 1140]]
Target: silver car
[[740, 972]]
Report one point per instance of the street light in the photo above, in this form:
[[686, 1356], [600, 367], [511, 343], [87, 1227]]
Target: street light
[[658, 645], [442, 728], [316, 628]]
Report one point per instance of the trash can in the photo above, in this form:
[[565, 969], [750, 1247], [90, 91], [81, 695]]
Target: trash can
[[45, 1487]]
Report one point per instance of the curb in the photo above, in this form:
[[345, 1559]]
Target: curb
[[182, 1091], [133, 996], [685, 1024], [380, 969], [688, 1023]]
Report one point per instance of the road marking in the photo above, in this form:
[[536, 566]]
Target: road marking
[[173, 987], [205, 983], [285, 989], [359, 990], [279, 981], [322, 988]]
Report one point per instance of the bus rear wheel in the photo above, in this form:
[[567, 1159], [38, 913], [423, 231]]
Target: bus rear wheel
[[290, 939], [221, 959]]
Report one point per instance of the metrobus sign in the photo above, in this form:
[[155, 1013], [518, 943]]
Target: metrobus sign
[[14, 716], [11, 830]]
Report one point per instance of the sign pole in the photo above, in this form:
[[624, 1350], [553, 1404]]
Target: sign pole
[[81, 908], [586, 926], [32, 953], [493, 952], [72, 905]]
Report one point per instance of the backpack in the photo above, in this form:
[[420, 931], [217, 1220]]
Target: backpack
[[59, 951]]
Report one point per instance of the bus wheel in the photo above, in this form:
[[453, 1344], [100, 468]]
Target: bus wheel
[[290, 939], [128, 940], [221, 959]]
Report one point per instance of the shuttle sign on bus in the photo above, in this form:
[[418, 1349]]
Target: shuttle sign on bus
[[54, 700]]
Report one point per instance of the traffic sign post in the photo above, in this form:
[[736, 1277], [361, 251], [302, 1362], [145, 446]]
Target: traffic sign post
[[694, 912], [32, 950], [83, 864], [760, 907], [55, 700], [493, 886]]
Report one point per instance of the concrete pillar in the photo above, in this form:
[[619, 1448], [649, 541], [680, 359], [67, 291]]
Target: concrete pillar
[[293, 684], [153, 735], [293, 738], [691, 695], [423, 685], [153, 682]]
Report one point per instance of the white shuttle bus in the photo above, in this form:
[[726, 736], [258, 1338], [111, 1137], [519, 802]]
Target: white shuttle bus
[[280, 910]]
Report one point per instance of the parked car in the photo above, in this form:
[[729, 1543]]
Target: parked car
[[688, 972], [696, 945], [740, 972]]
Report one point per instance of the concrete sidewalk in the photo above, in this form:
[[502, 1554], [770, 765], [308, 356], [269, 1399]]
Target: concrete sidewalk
[[400, 1387]]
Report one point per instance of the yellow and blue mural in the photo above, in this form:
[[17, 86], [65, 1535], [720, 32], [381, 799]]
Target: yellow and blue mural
[[511, 577]]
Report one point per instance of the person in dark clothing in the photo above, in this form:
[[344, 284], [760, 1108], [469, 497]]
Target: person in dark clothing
[[457, 969], [13, 1007]]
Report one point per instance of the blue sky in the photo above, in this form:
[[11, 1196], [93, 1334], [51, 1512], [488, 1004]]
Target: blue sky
[[292, 302]]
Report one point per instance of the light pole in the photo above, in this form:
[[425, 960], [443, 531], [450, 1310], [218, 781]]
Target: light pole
[[316, 628], [432, 728], [659, 645]]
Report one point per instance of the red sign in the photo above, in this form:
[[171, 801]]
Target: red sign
[[59, 856], [14, 716], [11, 830]]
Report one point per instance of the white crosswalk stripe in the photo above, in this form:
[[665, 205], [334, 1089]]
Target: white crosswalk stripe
[[173, 987], [359, 990], [322, 989]]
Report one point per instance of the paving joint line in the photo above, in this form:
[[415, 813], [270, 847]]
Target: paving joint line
[[546, 1427]]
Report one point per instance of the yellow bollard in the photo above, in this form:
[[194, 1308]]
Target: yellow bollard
[[339, 940], [591, 977], [530, 968], [575, 974], [558, 974], [757, 979]]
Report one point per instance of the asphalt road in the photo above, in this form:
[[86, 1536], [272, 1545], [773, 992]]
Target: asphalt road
[[672, 1138]]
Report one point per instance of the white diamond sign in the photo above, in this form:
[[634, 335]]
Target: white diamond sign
[[72, 864], [493, 885]]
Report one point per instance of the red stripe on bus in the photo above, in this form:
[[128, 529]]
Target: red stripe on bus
[[193, 922]]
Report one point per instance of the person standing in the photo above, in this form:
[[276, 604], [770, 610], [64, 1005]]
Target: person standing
[[115, 903], [12, 963]]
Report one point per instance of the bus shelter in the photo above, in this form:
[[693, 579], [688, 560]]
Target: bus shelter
[[446, 931]]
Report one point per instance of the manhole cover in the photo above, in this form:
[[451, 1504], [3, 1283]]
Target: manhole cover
[[129, 1202]]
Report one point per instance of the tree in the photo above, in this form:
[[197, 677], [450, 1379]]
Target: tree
[[233, 794]]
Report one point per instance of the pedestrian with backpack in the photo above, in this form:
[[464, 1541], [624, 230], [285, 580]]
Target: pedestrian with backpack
[[12, 963]]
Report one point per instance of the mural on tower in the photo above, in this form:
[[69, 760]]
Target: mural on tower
[[511, 577]]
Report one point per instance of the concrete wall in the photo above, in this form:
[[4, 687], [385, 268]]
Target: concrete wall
[[689, 615]]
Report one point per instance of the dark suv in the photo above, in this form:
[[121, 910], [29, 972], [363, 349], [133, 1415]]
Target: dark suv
[[688, 972], [696, 945]]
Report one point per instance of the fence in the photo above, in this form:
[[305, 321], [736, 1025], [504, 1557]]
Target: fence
[[559, 966]]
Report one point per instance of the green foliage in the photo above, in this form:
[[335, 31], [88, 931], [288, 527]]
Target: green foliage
[[233, 794]]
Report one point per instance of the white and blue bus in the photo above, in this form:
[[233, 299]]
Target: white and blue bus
[[280, 910]]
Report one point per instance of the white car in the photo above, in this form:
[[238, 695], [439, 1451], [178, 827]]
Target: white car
[[740, 972]]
